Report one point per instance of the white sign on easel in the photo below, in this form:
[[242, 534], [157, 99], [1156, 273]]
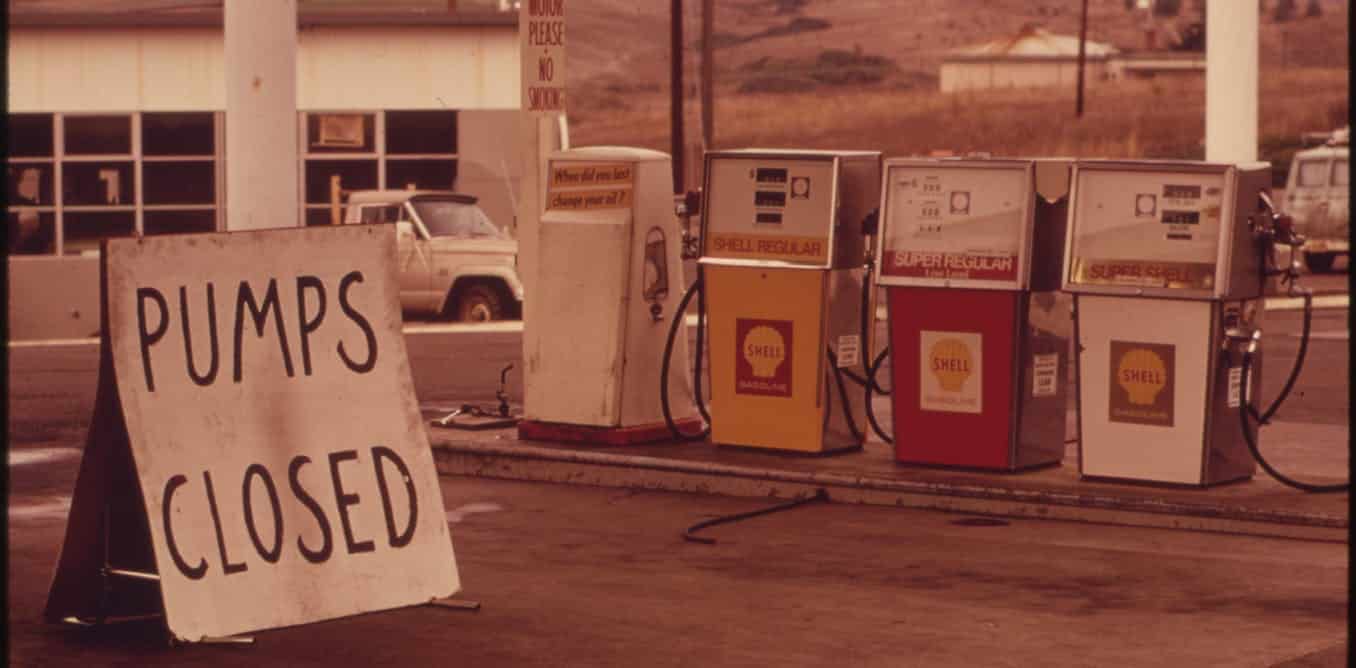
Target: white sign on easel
[[257, 457]]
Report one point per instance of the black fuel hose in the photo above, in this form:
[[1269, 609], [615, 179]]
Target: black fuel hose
[[701, 347], [843, 397], [870, 411], [1245, 407], [868, 319], [1265, 417], [868, 381], [690, 534], [679, 318], [1252, 447]]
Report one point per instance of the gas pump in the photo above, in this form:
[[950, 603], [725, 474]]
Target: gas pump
[[1163, 265], [609, 261], [781, 277], [979, 333]]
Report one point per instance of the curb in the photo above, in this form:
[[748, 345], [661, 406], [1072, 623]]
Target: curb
[[539, 464]]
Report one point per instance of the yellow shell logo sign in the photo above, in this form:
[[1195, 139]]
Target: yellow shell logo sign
[[951, 363], [1142, 374], [764, 350]]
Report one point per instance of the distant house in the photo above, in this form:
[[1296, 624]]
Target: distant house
[[1031, 58], [1155, 64]]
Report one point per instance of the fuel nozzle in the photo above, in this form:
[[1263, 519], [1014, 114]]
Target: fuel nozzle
[[685, 206], [1272, 228], [871, 223], [1275, 227], [1251, 337]]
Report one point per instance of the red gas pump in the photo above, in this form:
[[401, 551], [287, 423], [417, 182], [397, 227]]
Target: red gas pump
[[979, 332]]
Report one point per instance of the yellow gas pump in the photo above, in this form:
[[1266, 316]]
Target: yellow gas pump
[[783, 273], [610, 274]]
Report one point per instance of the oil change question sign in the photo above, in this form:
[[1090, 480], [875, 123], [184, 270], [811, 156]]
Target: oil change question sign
[[271, 418]]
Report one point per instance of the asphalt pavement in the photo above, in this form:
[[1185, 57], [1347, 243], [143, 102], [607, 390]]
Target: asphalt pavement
[[584, 576], [596, 573]]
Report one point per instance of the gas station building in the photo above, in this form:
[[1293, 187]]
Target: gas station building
[[116, 128]]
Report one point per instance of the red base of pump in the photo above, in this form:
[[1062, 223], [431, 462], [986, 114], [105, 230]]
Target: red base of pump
[[532, 430], [959, 392]]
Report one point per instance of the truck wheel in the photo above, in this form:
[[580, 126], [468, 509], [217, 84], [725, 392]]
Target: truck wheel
[[1319, 263], [480, 303]]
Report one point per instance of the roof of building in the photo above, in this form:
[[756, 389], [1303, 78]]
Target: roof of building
[[1032, 43], [208, 13]]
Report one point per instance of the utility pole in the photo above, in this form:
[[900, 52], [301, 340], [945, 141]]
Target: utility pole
[[708, 75], [1082, 56], [676, 92]]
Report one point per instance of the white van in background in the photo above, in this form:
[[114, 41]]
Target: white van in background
[[1317, 198]]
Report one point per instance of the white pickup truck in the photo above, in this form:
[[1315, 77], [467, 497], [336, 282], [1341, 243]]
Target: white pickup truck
[[454, 262]]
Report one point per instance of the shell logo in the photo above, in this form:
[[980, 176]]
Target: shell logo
[[764, 350], [1142, 374], [951, 363]]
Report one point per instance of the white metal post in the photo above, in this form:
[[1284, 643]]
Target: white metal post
[[1231, 80], [262, 189]]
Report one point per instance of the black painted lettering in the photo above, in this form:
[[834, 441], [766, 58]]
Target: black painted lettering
[[226, 564], [403, 538], [345, 500], [245, 299], [149, 338], [211, 375], [357, 318], [327, 545], [258, 470], [190, 572], [308, 326]]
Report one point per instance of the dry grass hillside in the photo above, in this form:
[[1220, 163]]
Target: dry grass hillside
[[863, 74]]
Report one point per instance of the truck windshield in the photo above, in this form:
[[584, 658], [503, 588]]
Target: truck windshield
[[445, 218]]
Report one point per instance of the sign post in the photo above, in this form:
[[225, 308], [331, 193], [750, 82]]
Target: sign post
[[541, 39], [541, 35], [257, 457]]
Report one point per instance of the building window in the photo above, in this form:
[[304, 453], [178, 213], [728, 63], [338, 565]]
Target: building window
[[179, 183], [421, 132], [30, 183], [433, 174], [31, 231], [98, 184], [342, 145], [31, 176], [179, 172], [340, 133], [370, 150], [98, 181], [98, 135], [421, 149], [82, 230], [180, 221], [30, 136], [77, 178], [178, 134]]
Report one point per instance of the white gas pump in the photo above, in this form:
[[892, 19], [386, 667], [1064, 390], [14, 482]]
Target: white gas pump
[[610, 280], [1167, 263]]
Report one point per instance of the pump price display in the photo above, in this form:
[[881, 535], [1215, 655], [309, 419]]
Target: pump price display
[[962, 222], [770, 209], [1147, 228]]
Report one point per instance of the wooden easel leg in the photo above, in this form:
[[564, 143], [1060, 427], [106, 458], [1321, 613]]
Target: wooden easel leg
[[455, 604]]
